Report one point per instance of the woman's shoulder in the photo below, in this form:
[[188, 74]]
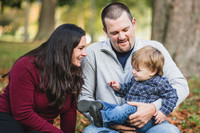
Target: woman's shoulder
[[24, 62], [24, 69]]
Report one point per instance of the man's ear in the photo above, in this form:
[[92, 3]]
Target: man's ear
[[104, 29], [134, 22]]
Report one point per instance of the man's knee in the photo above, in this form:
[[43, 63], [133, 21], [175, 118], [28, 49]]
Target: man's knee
[[164, 127], [173, 129]]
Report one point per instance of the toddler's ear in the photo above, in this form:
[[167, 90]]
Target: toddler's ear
[[153, 72]]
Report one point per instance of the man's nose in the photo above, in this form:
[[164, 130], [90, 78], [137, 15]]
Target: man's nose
[[121, 36]]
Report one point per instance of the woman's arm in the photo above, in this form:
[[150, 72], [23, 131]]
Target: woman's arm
[[68, 118], [21, 88]]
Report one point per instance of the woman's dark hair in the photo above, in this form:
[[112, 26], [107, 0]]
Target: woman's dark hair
[[114, 11], [59, 78]]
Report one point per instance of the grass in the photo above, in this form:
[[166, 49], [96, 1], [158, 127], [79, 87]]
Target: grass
[[189, 110], [186, 117], [9, 52]]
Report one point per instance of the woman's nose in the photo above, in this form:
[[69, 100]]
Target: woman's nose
[[84, 53]]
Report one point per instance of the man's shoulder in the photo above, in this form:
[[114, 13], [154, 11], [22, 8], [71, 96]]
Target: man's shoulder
[[97, 46], [144, 42]]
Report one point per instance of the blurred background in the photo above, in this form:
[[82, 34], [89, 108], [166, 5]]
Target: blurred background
[[33, 20], [25, 24]]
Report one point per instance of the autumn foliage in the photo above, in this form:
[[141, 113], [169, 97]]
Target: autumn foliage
[[186, 117]]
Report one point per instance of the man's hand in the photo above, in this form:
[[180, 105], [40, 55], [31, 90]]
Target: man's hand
[[123, 129], [145, 111]]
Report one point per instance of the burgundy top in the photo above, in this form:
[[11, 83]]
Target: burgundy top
[[29, 105]]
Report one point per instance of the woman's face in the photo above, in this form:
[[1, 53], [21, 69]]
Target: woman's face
[[79, 52]]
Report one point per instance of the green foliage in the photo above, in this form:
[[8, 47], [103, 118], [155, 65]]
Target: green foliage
[[18, 3], [5, 20], [78, 12], [9, 22], [12, 3], [190, 107], [66, 2]]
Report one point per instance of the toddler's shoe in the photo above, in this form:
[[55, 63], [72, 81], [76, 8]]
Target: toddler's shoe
[[84, 105], [95, 112]]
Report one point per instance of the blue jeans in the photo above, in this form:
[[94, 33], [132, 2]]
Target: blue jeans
[[164, 127], [113, 114]]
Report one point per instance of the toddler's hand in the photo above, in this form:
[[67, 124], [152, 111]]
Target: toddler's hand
[[159, 117], [114, 84]]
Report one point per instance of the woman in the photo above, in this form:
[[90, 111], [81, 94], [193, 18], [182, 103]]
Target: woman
[[45, 83]]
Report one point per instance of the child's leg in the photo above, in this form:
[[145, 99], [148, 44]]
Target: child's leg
[[117, 115], [83, 106], [95, 108], [108, 106]]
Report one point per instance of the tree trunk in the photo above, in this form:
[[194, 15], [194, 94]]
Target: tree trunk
[[27, 10], [92, 19], [46, 19], [176, 24]]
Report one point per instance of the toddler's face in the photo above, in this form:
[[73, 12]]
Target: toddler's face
[[142, 73]]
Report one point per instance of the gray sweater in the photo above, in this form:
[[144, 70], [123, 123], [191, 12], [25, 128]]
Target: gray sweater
[[101, 66]]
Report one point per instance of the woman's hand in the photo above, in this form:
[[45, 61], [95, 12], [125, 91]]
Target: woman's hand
[[145, 111]]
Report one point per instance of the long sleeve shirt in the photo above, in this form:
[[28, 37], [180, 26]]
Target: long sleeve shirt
[[29, 105], [149, 91], [101, 66]]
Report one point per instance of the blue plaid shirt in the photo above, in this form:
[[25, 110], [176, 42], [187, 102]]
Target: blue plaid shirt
[[150, 91]]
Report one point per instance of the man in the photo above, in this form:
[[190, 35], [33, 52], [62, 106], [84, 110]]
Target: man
[[111, 60]]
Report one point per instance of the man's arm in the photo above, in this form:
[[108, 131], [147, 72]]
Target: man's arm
[[174, 75], [88, 88]]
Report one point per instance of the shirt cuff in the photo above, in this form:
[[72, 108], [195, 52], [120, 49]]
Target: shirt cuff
[[158, 104]]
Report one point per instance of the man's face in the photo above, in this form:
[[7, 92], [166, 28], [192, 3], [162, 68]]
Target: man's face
[[121, 32]]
